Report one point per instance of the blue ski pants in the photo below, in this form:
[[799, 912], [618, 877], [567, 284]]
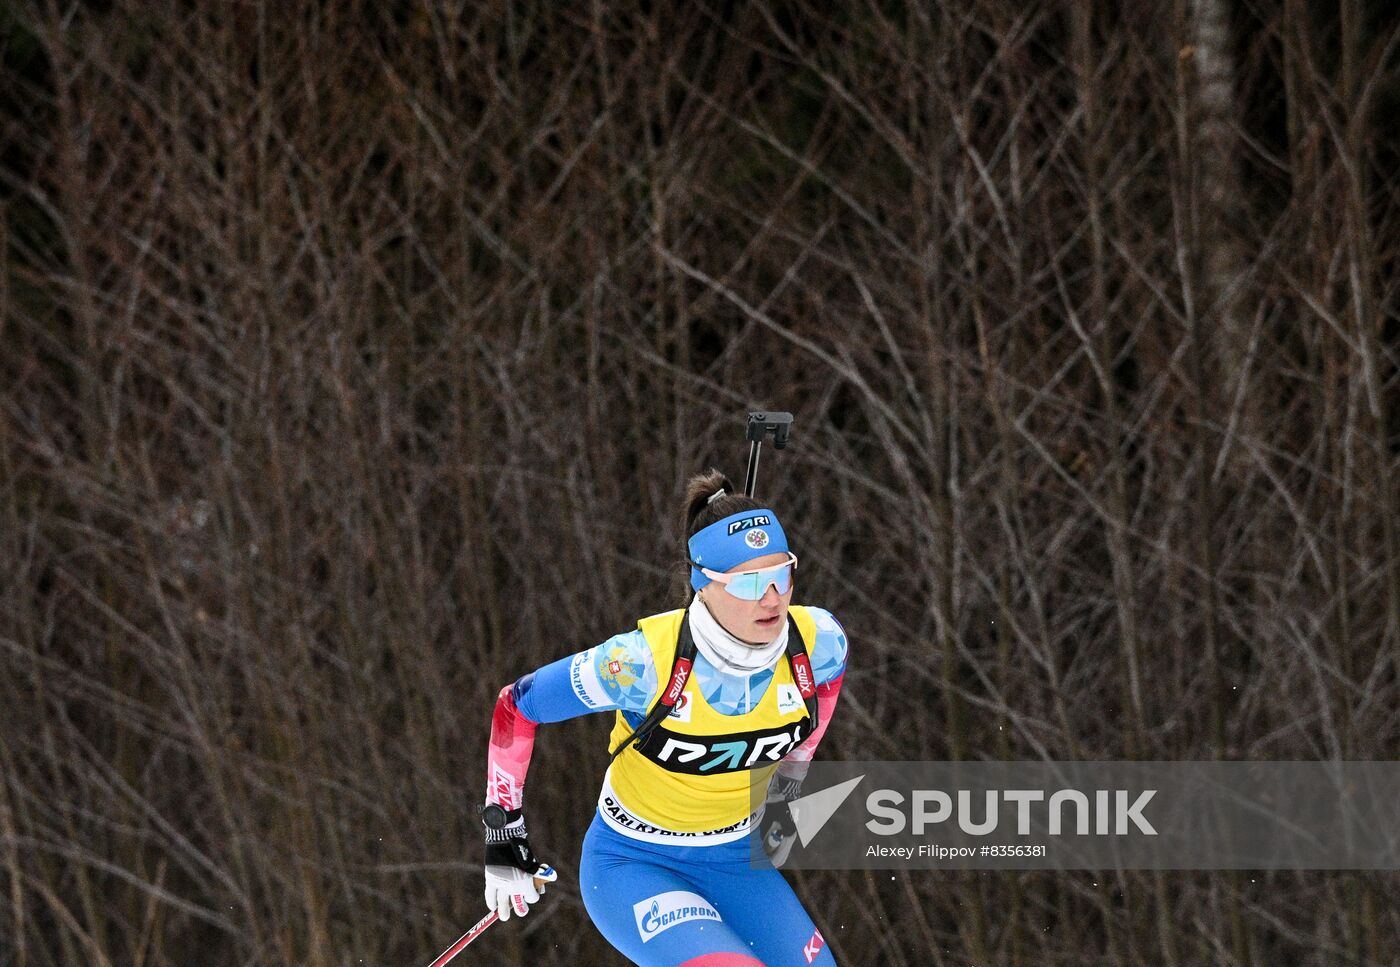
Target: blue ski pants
[[694, 906]]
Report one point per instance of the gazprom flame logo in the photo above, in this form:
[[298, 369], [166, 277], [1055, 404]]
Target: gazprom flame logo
[[661, 912]]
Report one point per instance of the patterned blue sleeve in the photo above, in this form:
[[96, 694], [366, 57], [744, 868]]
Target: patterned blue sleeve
[[618, 674], [829, 652]]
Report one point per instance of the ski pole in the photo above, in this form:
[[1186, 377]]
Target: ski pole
[[760, 425], [476, 931], [465, 939]]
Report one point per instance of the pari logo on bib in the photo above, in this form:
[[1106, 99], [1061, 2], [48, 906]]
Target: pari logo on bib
[[663, 911], [730, 542]]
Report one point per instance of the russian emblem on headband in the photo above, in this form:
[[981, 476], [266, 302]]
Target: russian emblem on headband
[[756, 539]]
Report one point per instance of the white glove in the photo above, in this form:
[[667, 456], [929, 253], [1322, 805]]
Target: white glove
[[515, 878], [510, 889]]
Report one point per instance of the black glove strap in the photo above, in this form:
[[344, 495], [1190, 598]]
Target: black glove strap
[[514, 852], [507, 839], [778, 814]]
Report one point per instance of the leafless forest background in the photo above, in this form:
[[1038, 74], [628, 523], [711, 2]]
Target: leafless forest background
[[353, 356]]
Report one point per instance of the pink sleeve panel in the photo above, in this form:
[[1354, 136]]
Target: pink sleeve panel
[[508, 754], [795, 764]]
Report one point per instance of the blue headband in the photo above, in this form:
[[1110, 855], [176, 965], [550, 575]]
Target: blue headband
[[738, 538]]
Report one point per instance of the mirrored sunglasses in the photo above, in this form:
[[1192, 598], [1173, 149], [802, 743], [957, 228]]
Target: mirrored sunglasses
[[753, 585]]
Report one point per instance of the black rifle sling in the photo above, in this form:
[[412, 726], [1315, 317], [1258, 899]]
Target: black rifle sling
[[685, 648]]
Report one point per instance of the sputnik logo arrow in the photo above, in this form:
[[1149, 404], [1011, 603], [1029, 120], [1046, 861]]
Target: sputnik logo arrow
[[810, 813]]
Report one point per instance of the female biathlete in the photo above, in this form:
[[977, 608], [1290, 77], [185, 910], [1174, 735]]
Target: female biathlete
[[710, 699]]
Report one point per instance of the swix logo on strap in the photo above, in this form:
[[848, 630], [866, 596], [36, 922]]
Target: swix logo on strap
[[678, 680], [703, 755], [813, 947], [802, 672], [744, 523]]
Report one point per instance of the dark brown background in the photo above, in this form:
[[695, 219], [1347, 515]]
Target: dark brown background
[[353, 357]]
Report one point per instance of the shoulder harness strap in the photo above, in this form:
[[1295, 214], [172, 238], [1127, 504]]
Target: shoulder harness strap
[[801, 667], [680, 674]]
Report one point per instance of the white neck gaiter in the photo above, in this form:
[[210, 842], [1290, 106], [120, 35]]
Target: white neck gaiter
[[727, 653]]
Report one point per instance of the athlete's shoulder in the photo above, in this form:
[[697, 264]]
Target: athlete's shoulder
[[830, 648], [624, 669]]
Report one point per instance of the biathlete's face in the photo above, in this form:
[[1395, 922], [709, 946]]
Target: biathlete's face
[[756, 622]]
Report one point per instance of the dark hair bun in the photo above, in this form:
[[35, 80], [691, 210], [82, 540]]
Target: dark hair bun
[[709, 497]]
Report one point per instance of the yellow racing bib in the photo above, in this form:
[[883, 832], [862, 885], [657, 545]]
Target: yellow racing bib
[[694, 772]]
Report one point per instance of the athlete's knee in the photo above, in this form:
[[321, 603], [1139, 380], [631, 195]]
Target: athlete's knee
[[722, 958]]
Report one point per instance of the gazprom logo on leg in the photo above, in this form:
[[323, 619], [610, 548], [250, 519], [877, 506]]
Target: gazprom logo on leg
[[665, 910]]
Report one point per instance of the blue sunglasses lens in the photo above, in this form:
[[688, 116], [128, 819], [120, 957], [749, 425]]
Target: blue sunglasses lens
[[753, 586]]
